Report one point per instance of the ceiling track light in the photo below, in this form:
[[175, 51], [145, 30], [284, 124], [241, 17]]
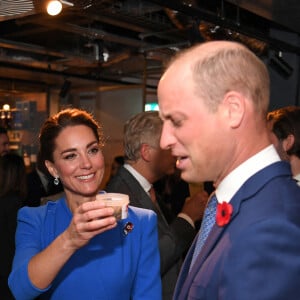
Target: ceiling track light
[[281, 66], [54, 7]]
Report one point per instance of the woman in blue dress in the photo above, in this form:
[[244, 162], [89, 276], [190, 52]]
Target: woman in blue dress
[[74, 248]]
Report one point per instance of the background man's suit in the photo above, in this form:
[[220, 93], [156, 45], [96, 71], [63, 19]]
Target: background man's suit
[[174, 238], [39, 188], [240, 258]]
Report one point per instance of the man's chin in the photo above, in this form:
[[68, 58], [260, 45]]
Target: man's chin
[[186, 176], [189, 177]]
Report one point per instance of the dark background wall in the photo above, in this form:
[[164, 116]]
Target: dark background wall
[[285, 89]]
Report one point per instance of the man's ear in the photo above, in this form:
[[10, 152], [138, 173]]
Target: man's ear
[[146, 153], [51, 169], [234, 105], [288, 142]]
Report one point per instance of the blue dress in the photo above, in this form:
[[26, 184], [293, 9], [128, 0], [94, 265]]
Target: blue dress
[[122, 263]]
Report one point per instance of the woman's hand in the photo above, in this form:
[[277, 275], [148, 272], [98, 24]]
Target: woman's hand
[[89, 219]]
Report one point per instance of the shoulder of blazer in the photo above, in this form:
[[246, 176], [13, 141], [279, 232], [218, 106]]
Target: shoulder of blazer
[[260, 179], [126, 178], [125, 182]]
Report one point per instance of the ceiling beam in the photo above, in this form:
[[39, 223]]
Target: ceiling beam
[[251, 31]]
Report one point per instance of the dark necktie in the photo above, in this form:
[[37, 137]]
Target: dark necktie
[[152, 195], [208, 221]]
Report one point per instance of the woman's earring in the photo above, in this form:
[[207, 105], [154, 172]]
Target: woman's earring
[[56, 181]]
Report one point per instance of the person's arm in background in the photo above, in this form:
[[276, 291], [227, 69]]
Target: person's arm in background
[[174, 244]]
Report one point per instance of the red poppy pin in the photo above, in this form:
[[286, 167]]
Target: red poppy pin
[[224, 211]]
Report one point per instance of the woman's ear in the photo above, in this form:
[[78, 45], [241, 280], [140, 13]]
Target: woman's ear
[[288, 142], [51, 169]]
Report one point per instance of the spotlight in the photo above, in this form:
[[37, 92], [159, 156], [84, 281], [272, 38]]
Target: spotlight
[[6, 107], [54, 7]]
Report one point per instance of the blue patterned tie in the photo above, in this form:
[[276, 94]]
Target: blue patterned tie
[[208, 221]]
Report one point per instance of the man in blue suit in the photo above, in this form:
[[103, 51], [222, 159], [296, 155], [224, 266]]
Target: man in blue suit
[[213, 99]]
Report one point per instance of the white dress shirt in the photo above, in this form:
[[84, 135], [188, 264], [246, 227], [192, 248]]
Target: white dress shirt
[[146, 185], [234, 180], [297, 178]]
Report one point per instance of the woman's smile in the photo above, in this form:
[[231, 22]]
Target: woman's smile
[[78, 161]]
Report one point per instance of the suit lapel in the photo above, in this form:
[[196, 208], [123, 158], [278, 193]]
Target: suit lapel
[[138, 197], [248, 189], [184, 285]]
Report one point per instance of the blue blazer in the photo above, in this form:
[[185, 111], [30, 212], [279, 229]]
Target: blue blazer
[[257, 255], [122, 263]]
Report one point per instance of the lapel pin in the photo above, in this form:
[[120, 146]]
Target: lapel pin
[[128, 227]]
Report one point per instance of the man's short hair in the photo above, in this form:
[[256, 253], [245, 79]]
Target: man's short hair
[[143, 128]]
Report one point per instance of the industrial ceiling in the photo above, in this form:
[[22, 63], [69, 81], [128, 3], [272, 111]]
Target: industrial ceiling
[[106, 43]]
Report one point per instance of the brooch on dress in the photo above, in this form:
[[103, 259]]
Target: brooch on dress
[[128, 227]]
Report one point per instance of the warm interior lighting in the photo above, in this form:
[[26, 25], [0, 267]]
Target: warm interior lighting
[[6, 107], [5, 116], [54, 7]]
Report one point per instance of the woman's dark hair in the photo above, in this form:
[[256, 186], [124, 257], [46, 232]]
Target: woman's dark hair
[[286, 121], [56, 123], [12, 175]]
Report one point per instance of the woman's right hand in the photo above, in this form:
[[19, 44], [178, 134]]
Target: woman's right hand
[[89, 219]]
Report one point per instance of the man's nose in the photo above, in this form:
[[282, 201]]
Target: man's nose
[[167, 138]]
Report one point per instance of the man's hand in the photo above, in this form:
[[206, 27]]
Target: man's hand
[[194, 206]]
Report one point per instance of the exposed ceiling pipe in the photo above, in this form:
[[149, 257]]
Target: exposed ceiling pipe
[[195, 11], [90, 33], [8, 44], [96, 49]]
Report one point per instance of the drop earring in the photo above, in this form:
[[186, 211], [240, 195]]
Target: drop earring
[[56, 181]]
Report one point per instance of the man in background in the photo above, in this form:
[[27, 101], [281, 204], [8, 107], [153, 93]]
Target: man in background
[[4, 141], [285, 135], [117, 162], [145, 163], [40, 186]]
